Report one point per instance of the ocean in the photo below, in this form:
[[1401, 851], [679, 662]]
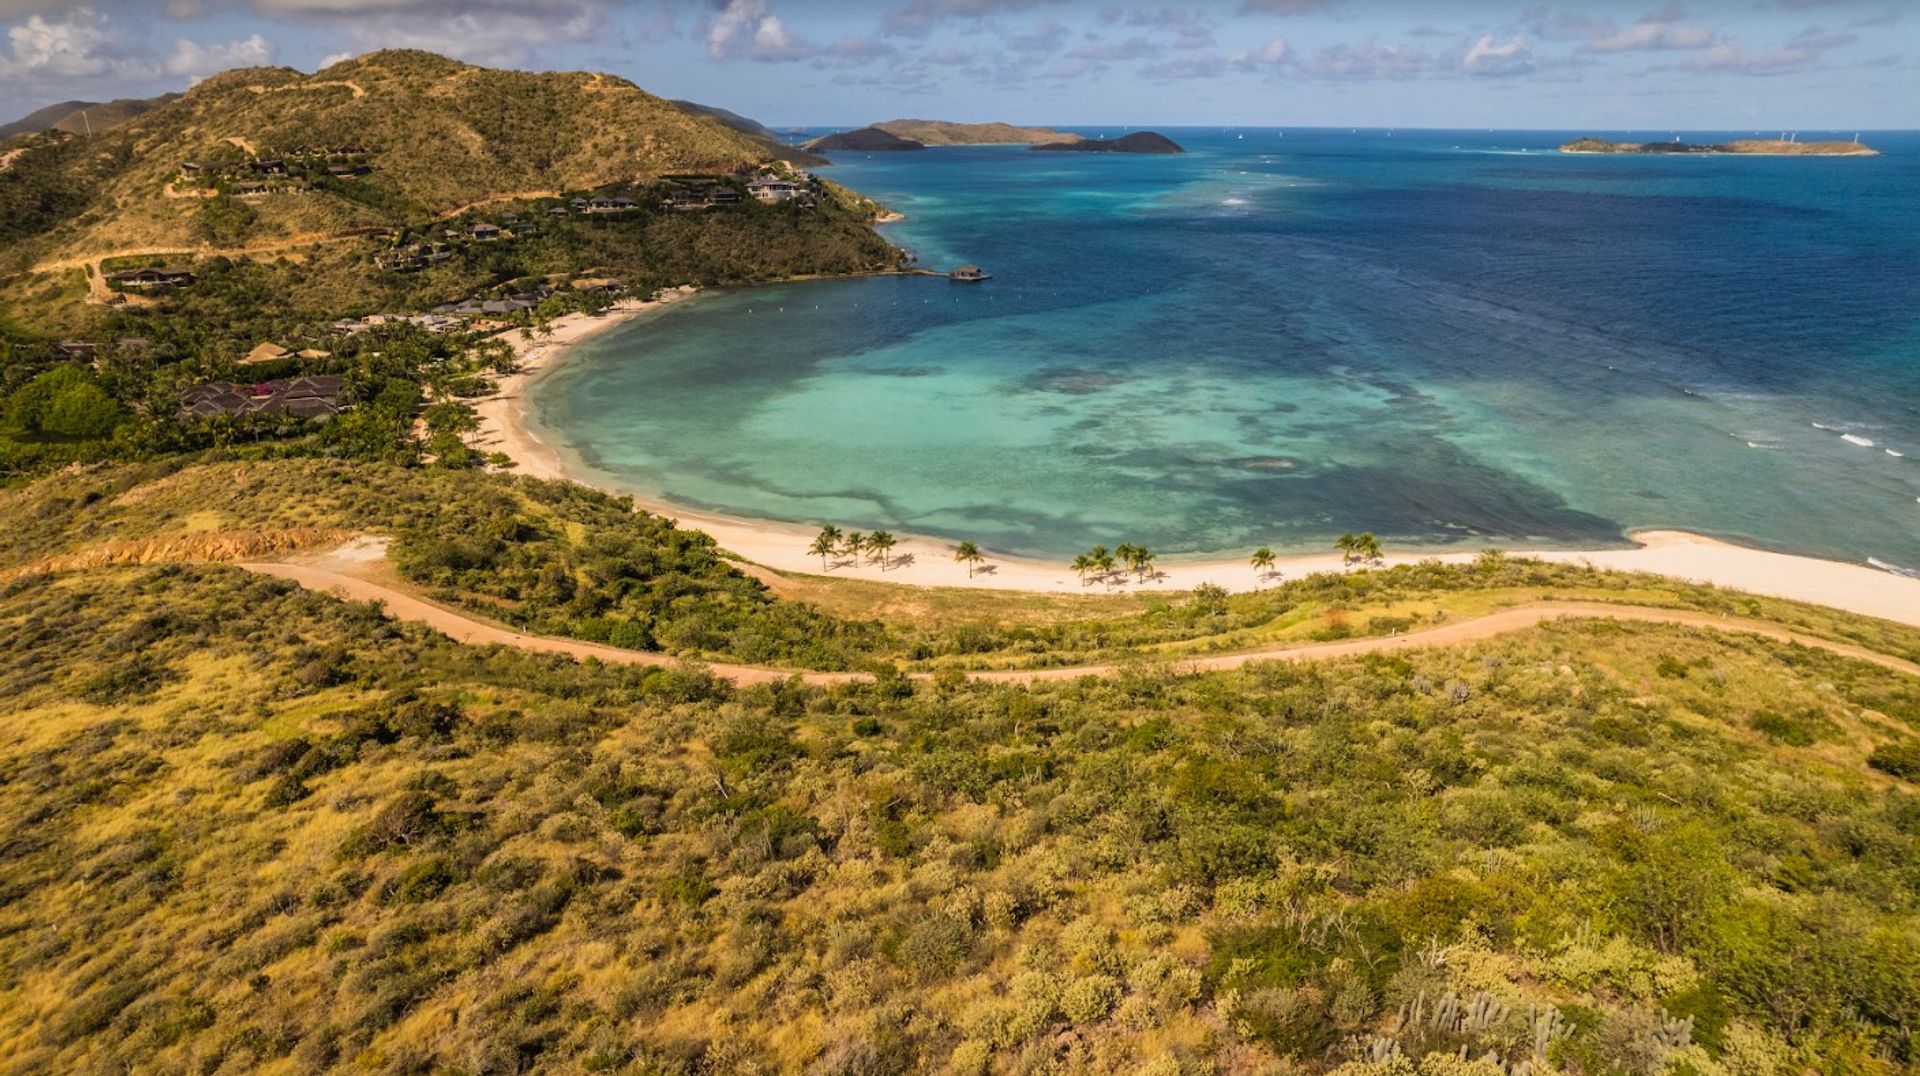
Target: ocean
[[1451, 339]]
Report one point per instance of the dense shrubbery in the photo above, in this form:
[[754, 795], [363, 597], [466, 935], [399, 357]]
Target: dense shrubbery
[[305, 834]]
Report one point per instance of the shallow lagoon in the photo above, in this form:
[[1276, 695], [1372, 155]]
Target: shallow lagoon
[[1282, 336]]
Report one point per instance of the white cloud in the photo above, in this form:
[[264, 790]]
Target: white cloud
[[197, 61], [1654, 36], [1496, 59], [72, 47], [918, 18], [748, 29], [1803, 51]]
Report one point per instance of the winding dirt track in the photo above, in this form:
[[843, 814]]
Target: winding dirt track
[[465, 629]]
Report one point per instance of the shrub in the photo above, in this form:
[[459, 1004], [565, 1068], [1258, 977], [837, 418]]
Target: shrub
[[1089, 998], [1900, 759]]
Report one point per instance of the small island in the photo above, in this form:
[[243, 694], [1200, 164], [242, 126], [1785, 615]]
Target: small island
[[864, 140], [945, 133], [1752, 147], [1137, 142]]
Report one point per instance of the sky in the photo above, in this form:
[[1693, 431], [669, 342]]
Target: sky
[[1589, 64]]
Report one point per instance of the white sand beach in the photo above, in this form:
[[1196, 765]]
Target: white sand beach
[[929, 562]]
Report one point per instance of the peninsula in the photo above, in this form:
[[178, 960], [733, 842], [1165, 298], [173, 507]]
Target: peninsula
[[944, 133], [1137, 142], [1752, 147]]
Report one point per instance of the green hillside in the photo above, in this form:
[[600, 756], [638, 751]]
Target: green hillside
[[438, 134], [945, 133], [256, 829], [82, 117]]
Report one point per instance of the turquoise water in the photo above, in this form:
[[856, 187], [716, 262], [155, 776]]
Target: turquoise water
[[1282, 336]]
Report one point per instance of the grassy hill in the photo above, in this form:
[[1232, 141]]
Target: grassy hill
[[759, 132], [944, 133], [81, 117], [289, 167], [256, 829], [439, 134]]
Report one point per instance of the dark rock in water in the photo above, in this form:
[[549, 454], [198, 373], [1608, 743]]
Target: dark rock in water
[[864, 140], [1271, 464], [1070, 381], [1137, 142]]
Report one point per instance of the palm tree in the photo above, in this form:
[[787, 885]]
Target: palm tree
[[968, 554], [854, 545], [1102, 563], [1082, 564], [1369, 548], [826, 544], [1349, 546], [1142, 562], [1125, 552], [1263, 563], [880, 543]]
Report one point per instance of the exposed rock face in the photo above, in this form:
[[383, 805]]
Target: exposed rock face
[[1137, 142]]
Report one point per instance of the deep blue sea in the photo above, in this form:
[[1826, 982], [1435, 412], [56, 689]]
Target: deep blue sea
[[1448, 338]]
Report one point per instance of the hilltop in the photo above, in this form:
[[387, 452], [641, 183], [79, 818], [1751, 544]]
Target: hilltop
[[864, 140], [943, 133], [1137, 142], [78, 117], [436, 134], [760, 133], [300, 184], [1759, 147]]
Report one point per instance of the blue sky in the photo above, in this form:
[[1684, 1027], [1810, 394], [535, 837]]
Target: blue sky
[[1720, 64]]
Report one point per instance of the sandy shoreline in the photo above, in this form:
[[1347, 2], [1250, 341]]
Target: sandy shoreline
[[921, 561]]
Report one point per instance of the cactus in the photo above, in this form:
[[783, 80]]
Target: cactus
[[1675, 1034], [1481, 1014], [1547, 1025], [1380, 1048]]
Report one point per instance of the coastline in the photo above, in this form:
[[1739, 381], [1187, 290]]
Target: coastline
[[923, 561]]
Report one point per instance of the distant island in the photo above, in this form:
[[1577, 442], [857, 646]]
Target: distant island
[[864, 140], [943, 133], [1757, 147], [1137, 142]]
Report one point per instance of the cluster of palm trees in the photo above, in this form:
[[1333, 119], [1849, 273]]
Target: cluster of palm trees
[[1096, 565], [833, 542], [1362, 548], [1104, 565]]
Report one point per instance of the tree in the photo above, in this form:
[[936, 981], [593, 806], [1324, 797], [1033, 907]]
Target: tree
[[1263, 563], [1141, 562], [63, 402], [1082, 564], [1102, 561], [881, 543], [1349, 546], [854, 545], [825, 544], [968, 554], [1367, 547], [451, 417]]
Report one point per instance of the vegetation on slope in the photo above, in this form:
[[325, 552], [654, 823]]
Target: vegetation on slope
[[438, 134], [558, 559], [944, 133], [255, 827], [82, 117]]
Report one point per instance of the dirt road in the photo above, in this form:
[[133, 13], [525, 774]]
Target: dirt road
[[466, 629]]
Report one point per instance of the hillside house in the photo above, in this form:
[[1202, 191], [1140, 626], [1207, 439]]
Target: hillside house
[[144, 279], [315, 397]]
